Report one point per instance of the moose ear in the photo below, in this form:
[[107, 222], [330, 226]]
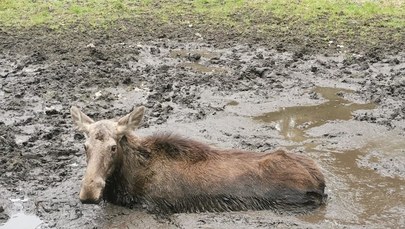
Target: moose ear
[[80, 120], [130, 121]]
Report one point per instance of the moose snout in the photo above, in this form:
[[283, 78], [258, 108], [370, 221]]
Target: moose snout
[[90, 201], [91, 191]]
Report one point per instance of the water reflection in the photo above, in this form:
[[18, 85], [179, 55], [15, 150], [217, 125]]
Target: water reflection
[[358, 196], [293, 121], [21, 220]]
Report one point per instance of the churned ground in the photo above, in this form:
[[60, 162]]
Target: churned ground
[[322, 78]]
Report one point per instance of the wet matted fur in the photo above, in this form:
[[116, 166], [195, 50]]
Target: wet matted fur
[[168, 173]]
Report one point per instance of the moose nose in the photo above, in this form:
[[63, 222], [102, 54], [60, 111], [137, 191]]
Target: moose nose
[[89, 198], [91, 191], [90, 201]]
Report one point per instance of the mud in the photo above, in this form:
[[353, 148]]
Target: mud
[[347, 112], [292, 121]]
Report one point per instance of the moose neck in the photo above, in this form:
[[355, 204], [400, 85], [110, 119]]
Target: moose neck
[[124, 186]]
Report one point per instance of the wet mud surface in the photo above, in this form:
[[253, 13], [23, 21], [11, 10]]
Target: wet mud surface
[[344, 110]]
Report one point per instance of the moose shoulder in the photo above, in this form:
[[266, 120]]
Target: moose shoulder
[[169, 173]]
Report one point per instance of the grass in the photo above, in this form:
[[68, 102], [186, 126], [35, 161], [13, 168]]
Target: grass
[[61, 13], [26, 13], [325, 18]]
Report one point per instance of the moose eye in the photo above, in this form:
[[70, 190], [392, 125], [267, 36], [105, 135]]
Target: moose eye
[[114, 148], [85, 147]]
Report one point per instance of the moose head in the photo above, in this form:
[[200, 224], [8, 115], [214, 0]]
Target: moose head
[[103, 152]]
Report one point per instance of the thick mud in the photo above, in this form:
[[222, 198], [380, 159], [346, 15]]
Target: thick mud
[[344, 110]]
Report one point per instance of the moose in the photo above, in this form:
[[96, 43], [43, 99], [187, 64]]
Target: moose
[[171, 174]]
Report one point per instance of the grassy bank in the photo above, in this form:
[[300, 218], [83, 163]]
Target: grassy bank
[[321, 19], [58, 13]]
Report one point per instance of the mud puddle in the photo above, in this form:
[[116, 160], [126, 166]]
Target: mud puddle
[[359, 195], [198, 60], [293, 121], [201, 68], [195, 54], [21, 220]]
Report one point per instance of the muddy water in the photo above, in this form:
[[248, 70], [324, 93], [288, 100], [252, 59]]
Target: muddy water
[[232, 103], [292, 121], [201, 68], [197, 60], [22, 221], [202, 53], [358, 195]]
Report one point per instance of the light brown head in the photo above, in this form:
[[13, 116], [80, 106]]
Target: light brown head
[[103, 152]]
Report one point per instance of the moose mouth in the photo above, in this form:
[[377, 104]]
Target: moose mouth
[[89, 201], [92, 193]]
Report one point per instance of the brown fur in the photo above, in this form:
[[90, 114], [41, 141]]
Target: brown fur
[[168, 173], [174, 174]]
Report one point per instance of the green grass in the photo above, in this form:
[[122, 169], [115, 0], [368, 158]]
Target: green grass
[[60, 13], [25, 13], [327, 18], [332, 12]]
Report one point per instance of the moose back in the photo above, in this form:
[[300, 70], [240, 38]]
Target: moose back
[[168, 173]]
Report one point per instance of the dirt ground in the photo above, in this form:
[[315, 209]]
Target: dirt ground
[[342, 108]]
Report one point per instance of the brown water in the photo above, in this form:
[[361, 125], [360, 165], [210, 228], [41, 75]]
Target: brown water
[[185, 53], [202, 65], [232, 103], [293, 121], [358, 196], [196, 67]]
